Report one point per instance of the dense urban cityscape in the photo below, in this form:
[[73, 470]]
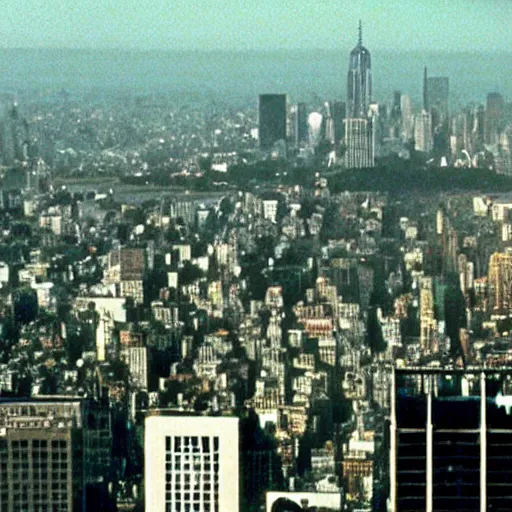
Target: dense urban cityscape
[[290, 306]]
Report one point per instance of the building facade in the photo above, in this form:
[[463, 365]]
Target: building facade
[[191, 464], [450, 440], [51, 451], [359, 144]]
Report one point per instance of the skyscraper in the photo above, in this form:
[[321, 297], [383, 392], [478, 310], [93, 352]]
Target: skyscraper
[[450, 440], [359, 83], [494, 117], [301, 124], [191, 464], [407, 117], [359, 144], [500, 282], [52, 453], [272, 119], [423, 132], [339, 112], [436, 91]]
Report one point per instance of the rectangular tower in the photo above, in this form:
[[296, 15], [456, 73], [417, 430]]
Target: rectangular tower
[[191, 464], [53, 452], [272, 119], [301, 124], [493, 117], [359, 144], [339, 113], [438, 90]]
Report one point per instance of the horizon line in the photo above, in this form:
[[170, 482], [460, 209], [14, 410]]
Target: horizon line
[[247, 50]]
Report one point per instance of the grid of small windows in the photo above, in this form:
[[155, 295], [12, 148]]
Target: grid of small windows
[[59, 466], [4, 480], [192, 474], [20, 474], [40, 473]]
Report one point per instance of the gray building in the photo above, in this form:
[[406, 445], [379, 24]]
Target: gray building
[[52, 452]]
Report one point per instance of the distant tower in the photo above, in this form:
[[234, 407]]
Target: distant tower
[[423, 132], [301, 124], [425, 90], [494, 117], [359, 83], [272, 119], [339, 112], [438, 90], [407, 117]]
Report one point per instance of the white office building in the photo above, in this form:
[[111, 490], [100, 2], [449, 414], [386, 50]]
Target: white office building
[[191, 464]]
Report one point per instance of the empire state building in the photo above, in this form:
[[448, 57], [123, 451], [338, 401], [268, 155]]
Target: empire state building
[[359, 83], [359, 136]]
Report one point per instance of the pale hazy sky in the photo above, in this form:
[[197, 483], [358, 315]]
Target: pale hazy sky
[[466, 25]]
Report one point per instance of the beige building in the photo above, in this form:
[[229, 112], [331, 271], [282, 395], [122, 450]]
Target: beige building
[[500, 282], [191, 464]]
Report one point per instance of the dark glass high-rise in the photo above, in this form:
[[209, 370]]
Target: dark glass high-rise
[[272, 119]]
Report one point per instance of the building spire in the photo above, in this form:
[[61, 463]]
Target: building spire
[[360, 33], [425, 90]]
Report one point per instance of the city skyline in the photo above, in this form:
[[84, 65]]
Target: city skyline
[[458, 25]]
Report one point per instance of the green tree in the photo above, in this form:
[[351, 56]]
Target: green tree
[[189, 273]]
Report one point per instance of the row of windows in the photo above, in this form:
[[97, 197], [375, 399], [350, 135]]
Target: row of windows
[[187, 477], [192, 443], [40, 507], [16, 465], [191, 507], [206, 467], [205, 488], [187, 457], [39, 443], [206, 497]]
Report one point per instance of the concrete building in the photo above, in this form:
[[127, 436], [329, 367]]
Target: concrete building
[[494, 117], [191, 464], [500, 282], [136, 358], [52, 451], [125, 272], [423, 140]]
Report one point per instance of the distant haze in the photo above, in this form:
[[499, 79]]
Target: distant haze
[[242, 76], [444, 25]]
